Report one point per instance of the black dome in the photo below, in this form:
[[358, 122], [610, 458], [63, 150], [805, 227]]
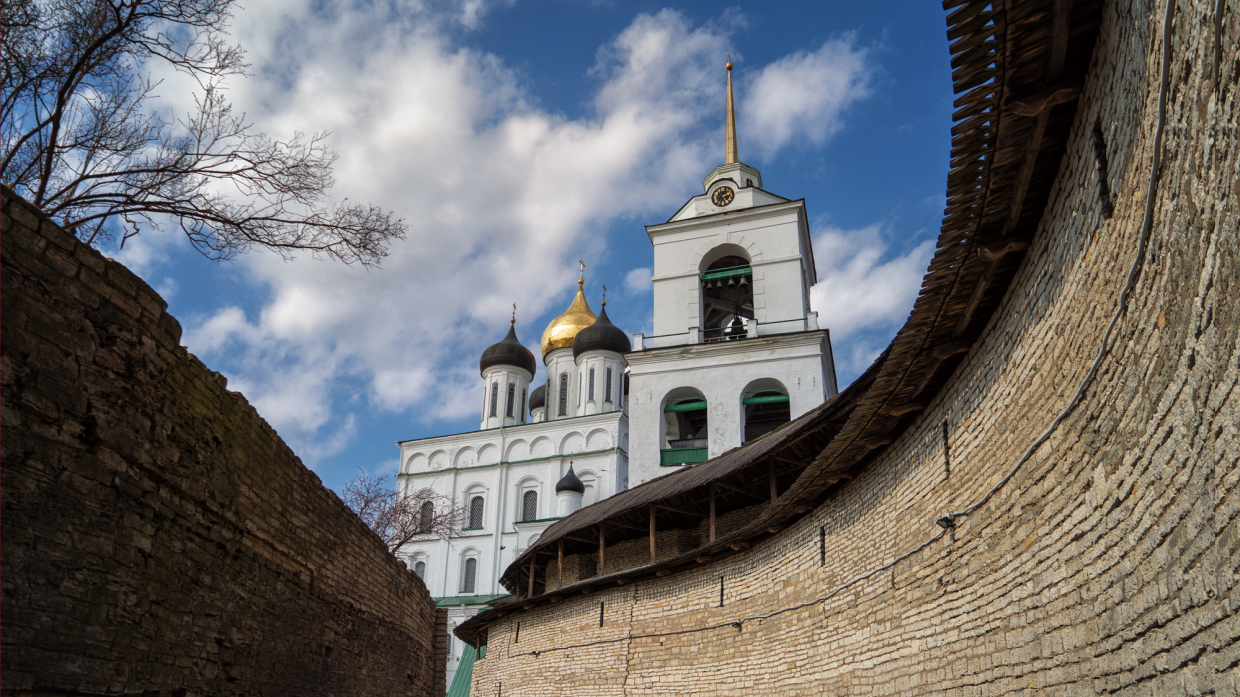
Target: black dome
[[508, 352], [601, 336], [538, 398], [570, 482]]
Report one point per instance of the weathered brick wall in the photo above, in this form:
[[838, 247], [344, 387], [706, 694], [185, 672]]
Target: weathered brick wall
[[440, 680], [1107, 565], [158, 537]]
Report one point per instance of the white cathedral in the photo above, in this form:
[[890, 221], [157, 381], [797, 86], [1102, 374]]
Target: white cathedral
[[736, 352]]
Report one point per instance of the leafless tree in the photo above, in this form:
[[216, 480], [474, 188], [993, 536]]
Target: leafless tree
[[402, 518], [82, 140]]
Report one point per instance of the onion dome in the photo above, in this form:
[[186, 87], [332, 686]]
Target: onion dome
[[538, 398], [508, 352], [570, 482], [563, 329], [601, 336]]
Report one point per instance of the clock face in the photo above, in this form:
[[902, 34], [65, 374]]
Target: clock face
[[722, 196]]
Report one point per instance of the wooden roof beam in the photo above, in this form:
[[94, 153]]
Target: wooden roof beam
[[739, 490], [673, 509]]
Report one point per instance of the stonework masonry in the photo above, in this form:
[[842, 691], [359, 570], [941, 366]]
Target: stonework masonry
[[1106, 565], [158, 536]]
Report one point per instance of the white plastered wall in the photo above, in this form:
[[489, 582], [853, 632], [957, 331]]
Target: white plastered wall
[[501, 464], [499, 378], [721, 372], [775, 238]]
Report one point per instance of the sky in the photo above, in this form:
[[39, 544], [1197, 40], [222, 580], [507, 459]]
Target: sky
[[515, 137]]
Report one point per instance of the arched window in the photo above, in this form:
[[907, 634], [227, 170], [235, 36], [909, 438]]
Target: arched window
[[685, 427], [475, 512], [727, 298], [591, 393], [607, 387], [523, 403], [512, 397], [426, 517], [494, 397], [529, 506], [469, 575], [563, 394], [764, 407], [419, 568]]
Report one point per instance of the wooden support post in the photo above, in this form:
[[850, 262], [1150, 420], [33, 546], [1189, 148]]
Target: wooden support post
[[652, 547], [1061, 25], [712, 511], [533, 567], [559, 575], [602, 536]]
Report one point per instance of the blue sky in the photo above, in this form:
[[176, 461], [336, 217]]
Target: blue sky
[[517, 137]]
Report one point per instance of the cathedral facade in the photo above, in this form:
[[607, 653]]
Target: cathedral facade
[[736, 352]]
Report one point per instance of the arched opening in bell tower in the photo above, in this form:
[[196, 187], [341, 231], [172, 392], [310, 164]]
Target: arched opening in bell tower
[[726, 279], [765, 406], [684, 429]]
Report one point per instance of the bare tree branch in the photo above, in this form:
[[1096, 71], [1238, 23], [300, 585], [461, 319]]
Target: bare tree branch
[[81, 141], [399, 518]]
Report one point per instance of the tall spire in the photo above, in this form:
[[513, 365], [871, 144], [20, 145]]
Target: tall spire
[[729, 148]]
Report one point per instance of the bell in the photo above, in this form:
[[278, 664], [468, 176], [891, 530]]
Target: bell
[[706, 284], [744, 281], [731, 282]]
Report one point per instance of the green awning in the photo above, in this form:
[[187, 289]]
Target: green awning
[[727, 273], [455, 600], [688, 406], [683, 456], [465, 672], [768, 399]]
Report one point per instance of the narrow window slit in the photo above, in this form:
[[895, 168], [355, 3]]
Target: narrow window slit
[[1104, 172], [600, 614], [947, 460]]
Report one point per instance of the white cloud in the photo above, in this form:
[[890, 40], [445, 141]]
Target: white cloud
[[167, 287], [860, 297], [802, 96], [638, 281], [501, 198]]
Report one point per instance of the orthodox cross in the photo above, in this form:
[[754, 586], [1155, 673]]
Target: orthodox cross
[[514, 313]]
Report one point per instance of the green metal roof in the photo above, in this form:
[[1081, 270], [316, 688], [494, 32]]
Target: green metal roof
[[465, 672], [727, 273], [768, 399], [454, 600]]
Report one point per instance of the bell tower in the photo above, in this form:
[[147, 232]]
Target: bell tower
[[732, 321]]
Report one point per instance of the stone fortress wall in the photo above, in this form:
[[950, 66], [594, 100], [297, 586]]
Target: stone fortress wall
[[1106, 565], [158, 537]]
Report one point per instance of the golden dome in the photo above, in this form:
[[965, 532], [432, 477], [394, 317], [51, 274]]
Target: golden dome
[[563, 329]]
